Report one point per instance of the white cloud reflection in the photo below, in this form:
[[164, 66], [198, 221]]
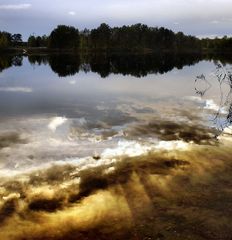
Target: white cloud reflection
[[72, 13], [16, 89], [15, 6], [56, 122]]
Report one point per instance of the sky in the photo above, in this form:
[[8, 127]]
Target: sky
[[202, 18]]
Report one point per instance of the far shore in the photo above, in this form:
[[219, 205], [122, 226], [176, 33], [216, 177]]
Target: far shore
[[45, 50]]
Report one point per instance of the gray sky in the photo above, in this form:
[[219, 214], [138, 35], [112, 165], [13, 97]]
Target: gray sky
[[195, 17]]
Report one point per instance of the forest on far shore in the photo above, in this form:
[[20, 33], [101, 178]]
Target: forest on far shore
[[135, 38]]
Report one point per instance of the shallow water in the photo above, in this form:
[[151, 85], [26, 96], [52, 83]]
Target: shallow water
[[86, 140]]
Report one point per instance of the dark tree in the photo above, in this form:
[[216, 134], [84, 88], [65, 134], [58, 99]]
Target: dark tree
[[37, 41], [31, 42], [3, 42], [64, 37], [16, 39]]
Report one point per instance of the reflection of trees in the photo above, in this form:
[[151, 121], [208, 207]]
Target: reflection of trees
[[139, 65], [103, 64], [223, 58], [64, 65], [38, 59], [7, 61]]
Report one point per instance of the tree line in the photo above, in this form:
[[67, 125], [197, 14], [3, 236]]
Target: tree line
[[217, 44], [138, 37], [134, 38]]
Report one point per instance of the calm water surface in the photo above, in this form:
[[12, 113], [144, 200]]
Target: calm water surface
[[65, 120]]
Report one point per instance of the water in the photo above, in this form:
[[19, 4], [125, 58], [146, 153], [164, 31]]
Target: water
[[68, 114]]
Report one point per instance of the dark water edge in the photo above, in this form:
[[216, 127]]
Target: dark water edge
[[64, 64]]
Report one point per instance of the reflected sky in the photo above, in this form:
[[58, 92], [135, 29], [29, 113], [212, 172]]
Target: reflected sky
[[36, 89], [87, 113]]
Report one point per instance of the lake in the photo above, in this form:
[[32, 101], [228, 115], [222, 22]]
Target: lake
[[115, 147]]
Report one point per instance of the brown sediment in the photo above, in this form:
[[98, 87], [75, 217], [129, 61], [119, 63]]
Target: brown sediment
[[162, 195], [10, 138], [170, 131]]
